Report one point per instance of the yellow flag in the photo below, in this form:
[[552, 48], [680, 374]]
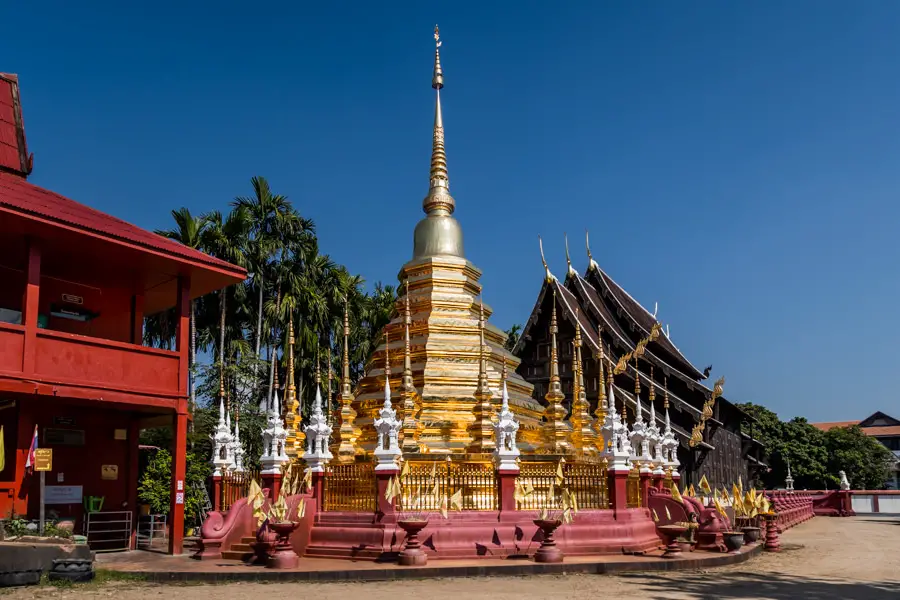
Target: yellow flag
[[691, 492], [405, 470], [456, 500], [704, 485], [2, 450], [676, 495], [559, 473]]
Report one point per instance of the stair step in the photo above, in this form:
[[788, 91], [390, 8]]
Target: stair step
[[248, 540], [241, 548], [236, 555]]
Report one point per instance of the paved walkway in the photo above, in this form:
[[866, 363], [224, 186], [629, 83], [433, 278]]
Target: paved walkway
[[824, 559]]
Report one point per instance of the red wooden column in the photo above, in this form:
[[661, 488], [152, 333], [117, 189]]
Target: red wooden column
[[384, 508], [179, 437], [179, 452], [30, 305], [507, 479], [617, 488], [134, 433], [23, 443]]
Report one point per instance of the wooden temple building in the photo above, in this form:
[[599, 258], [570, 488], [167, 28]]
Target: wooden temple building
[[721, 447], [75, 287]]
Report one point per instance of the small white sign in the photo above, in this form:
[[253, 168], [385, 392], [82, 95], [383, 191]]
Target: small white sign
[[179, 485], [60, 477], [179, 498], [63, 494]]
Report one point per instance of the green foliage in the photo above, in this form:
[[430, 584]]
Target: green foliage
[[815, 456], [865, 460], [13, 526], [51, 530], [512, 336], [156, 481]]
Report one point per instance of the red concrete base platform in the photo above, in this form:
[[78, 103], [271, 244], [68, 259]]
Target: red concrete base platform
[[474, 534], [163, 568]]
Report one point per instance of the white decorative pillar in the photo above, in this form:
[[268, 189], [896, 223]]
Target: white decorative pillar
[[506, 452], [221, 456], [387, 427], [237, 449], [274, 441], [618, 453], [318, 436]]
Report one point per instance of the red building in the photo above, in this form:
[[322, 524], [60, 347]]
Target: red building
[[75, 286]]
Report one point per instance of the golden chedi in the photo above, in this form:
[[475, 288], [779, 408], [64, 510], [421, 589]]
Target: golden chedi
[[445, 336]]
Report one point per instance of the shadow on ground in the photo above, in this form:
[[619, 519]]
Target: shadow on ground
[[768, 586]]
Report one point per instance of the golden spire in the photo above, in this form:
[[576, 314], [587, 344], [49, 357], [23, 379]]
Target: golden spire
[[292, 418], [557, 431], [665, 392], [583, 436], [637, 380], [348, 449], [602, 405], [482, 429], [592, 264], [438, 198], [652, 387], [409, 433]]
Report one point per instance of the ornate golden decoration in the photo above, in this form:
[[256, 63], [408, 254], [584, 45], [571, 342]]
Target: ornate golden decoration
[[409, 433], [584, 438], [349, 432], [557, 431], [482, 428], [639, 349], [295, 441], [707, 413]]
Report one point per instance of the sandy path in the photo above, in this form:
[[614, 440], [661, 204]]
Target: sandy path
[[824, 559]]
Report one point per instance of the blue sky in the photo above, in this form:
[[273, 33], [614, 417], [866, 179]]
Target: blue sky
[[735, 162]]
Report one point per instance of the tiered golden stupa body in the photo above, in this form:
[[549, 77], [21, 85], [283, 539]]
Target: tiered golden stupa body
[[445, 340]]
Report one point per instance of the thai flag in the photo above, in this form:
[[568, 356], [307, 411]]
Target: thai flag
[[29, 461]]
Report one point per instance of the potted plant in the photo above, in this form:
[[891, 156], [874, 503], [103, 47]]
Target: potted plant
[[560, 507], [416, 509]]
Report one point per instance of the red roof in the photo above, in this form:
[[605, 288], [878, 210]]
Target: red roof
[[874, 431], [25, 198], [833, 424]]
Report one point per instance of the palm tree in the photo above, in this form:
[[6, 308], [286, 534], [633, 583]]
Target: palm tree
[[512, 336], [188, 231], [225, 238]]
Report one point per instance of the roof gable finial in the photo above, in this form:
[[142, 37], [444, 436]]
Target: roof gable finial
[[548, 276], [571, 272], [592, 264]]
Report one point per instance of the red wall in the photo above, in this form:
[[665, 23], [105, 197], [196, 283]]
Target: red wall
[[113, 305], [80, 465]]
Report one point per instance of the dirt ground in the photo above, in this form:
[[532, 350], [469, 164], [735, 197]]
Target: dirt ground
[[823, 559]]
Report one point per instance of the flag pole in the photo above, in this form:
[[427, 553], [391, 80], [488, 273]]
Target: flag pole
[[43, 477]]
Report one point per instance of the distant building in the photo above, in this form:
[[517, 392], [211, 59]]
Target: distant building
[[882, 427]]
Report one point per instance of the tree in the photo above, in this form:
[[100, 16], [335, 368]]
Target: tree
[[188, 231], [512, 337], [156, 480], [864, 459]]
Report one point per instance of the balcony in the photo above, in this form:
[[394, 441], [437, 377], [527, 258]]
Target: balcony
[[89, 368]]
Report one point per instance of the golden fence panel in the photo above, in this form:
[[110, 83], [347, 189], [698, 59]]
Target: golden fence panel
[[633, 489], [587, 480], [236, 486], [476, 480], [350, 487]]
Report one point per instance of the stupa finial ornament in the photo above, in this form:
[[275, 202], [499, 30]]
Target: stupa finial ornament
[[654, 436], [602, 404], [292, 413], [583, 436], [349, 432], [482, 428], [318, 437], [274, 438], [506, 452], [640, 443], [548, 276], [409, 434], [557, 431], [438, 234], [789, 480], [387, 425]]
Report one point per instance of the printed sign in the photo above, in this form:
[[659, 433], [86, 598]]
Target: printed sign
[[64, 421], [109, 472], [62, 494], [43, 459], [179, 485], [179, 498], [120, 434], [72, 299]]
